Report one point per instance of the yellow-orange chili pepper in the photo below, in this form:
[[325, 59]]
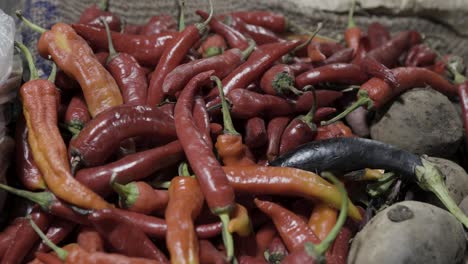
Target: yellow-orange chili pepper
[[322, 220], [240, 221]]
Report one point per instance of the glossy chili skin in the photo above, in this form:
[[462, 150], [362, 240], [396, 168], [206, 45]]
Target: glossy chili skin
[[255, 133], [93, 14], [103, 134], [292, 229], [124, 236], [170, 59], [213, 182], [202, 119], [273, 21], [8, 235], [132, 167], [77, 114], [377, 35], [58, 230], [259, 34], [145, 49], [185, 204], [72, 54], [25, 237], [337, 73], [463, 95], [208, 254], [140, 197], [90, 240], [296, 133], [275, 130], [159, 24], [320, 51], [234, 38], [420, 55], [26, 168]]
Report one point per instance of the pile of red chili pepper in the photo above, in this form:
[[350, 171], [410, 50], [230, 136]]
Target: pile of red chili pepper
[[152, 143]]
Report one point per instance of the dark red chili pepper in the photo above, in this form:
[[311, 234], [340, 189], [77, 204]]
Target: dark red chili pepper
[[234, 38], [341, 56], [128, 74], [25, 237], [337, 73], [168, 108], [208, 254], [145, 49], [26, 168], [324, 98], [58, 230], [213, 181], [172, 57], [66, 83], [420, 55], [202, 119], [255, 133], [319, 51], [273, 21], [159, 24], [279, 80], [77, 114], [275, 130], [8, 235], [93, 15], [263, 238], [259, 34], [276, 251], [132, 167], [223, 65], [90, 240], [213, 45], [353, 33], [334, 130], [125, 237], [102, 135], [377, 35], [340, 248]]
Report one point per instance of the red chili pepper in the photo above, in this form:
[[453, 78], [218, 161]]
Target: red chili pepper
[[58, 230], [132, 167], [213, 45], [128, 74], [172, 57], [103, 134], [319, 51], [353, 33], [251, 260], [8, 235], [419, 56], [276, 251], [202, 119], [255, 133], [259, 34], [124, 237], [377, 35], [94, 14], [337, 73], [279, 80], [324, 98], [162, 23], [263, 238], [208, 254], [90, 240], [273, 21], [77, 114], [275, 130], [147, 50], [102, 57], [26, 168], [341, 56], [334, 130]]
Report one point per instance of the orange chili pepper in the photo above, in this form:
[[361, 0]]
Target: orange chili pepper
[[40, 98], [74, 56], [322, 220], [353, 33], [240, 221]]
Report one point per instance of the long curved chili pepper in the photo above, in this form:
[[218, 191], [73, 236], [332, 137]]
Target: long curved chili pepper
[[147, 50], [255, 133], [213, 181], [172, 57], [72, 54], [213, 45], [279, 80], [140, 197], [324, 98], [8, 235], [94, 14], [158, 24], [337, 73], [25, 237], [124, 236], [185, 204], [103, 134], [334, 130], [420, 55], [246, 259], [77, 114], [285, 181], [57, 231], [90, 240], [129, 75], [375, 93], [320, 51], [39, 98], [377, 35], [276, 251], [273, 21], [26, 168], [208, 254], [275, 130], [234, 38], [132, 167], [229, 144], [223, 65], [259, 34], [351, 154], [353, 33], [322, 220]]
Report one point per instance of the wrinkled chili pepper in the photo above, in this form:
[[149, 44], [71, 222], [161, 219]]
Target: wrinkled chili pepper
[[94, 14], [57, 231], [377, 35], [234, 38], [276, 251], [72, 54], [275, 130], [26, 168], [39, 98], [259, 34], [337, 73], [124, 236], [213, 181], [129, 75], [172, 56], [158, 24], [90, 240], [202, 119], [208, 254], [420, 55], [140, 197], [132, 167], [185, 204], [103, 134], [353, 33], [322, 220], [334, 130], [213, 45], [77, 114], [255, 133]]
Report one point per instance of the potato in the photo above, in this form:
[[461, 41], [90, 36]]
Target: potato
[[410, 232], [422, 121]]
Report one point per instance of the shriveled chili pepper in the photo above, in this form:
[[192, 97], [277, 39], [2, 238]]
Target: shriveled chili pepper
[[173, 56], [93, 15], [234, 38], [275, 130], [320, 51], [72, 54], [57, 231], [334, 130], [213, 45], [39, 98], [140, 197], [420, 55], [259, 34], [158, 24], [377, 35], [90, 240], [375, 93], [77, 114], [240, 222], [279, 80], [129, 75], [26, 168], [124, 236], [276, 251], [8, 235], [25, 237], [185, 204], [285, 181], [213, 181], [208, 254], [103, 134], [353, 33], [255, 133], [223, 65], [322, 220], [337, 73], [341, 56], [132, 167]]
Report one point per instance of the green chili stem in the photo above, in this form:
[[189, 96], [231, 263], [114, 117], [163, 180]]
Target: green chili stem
[[183, 169], [227, 237], [181, 15], [227, 120], [246, 53], [103, 5], [53, 73], [307, 42], [202, 26], [351, 22], [33, 75], [213, 51], [61, 253], [112, 52], [30, 24], [43, 199], [363, 99]]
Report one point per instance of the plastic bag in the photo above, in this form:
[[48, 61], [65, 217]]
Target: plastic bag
[[7, 36]]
